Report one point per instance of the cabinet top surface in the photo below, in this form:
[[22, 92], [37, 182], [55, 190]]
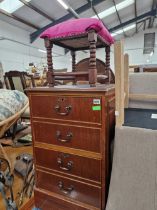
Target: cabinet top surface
[[74, 88]]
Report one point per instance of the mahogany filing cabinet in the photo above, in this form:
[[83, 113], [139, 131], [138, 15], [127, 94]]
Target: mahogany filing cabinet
[[71, 129]]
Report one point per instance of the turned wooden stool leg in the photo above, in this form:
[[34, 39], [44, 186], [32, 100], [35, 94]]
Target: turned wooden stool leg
[[73, 55], [92, 37], [50, 73], [107, 49]]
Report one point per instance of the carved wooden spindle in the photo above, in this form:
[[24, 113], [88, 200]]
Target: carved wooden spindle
[[73, 55], [50, 75], [92, 37], [107, 49]]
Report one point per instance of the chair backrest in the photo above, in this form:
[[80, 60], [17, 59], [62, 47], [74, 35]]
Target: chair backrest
[[16, 80], [83, 65]]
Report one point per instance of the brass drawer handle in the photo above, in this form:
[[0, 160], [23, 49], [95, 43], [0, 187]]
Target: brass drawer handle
[[68, 167], [67, 190], [67, 139], [67, 110]]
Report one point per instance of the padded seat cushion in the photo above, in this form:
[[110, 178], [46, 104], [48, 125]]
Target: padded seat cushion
[[11, 102], [77, 27]]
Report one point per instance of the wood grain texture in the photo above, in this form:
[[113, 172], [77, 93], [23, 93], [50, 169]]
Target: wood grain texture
[[92, 65], [83, 112], [85, 185], [70, 90], [82, 153], [126, 80], [51, 201], [50, 77], [119, 84], [88, 194], [84, 138], [101, 67], [69, 164]]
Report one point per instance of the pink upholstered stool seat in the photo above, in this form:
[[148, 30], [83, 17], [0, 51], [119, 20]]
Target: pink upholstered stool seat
[[78, 27]]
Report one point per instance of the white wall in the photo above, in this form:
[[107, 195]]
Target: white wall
[[17, 56], [134, 47]]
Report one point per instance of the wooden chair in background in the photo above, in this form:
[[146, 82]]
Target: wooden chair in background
[[19, 80], [103, 74], [16, 80]]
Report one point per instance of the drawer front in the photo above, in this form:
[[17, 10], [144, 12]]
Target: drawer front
[[46, 201], [68, 136], [88, 194], [71, 164], [65, 108]]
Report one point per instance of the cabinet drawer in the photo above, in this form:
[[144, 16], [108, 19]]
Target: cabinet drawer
[[71, 164], [68, 136], [65, 108], [70, 188], [47, 201]]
